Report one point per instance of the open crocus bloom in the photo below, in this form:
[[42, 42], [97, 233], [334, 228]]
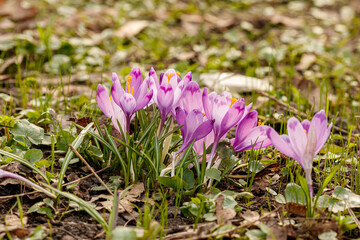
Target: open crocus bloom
[[250, 136], [225, 111], [303, 142], [135, 97], [194, 126], [168, 90], [109, 108]]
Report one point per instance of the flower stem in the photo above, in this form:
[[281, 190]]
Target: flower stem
[[212, 154]]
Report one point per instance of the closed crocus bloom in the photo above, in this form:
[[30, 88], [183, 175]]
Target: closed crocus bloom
[[303, 142], [250, 136], [226, 113], [135, 96], [110, 108], [191, 98], [167, 91]]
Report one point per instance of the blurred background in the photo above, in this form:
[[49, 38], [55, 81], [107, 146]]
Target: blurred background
[[290, 48]]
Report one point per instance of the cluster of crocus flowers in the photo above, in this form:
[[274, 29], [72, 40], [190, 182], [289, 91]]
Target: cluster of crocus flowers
[[206, 118]]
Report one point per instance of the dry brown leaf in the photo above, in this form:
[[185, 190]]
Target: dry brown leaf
[[13, 220], [306, 61], [131, 28], [251, 216], [131, 196], [15, 10], [223, 215], [278, 233], [287, 21], [220, 22], [297, 209]]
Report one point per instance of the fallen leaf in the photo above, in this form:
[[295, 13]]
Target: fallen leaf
[[15, 10], [277, 233], [287, 21], [131, 196], [131, 28], [271, 168], [296, 209], [306, 61], [223, 215], [251, 216]]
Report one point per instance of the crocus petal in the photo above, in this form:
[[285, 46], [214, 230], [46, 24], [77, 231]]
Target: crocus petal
[[119, 116], [306, 125], [232, 116], [144, 101], [310, 148], [206, 104], [255, 139], [193, 120], [203, 130], [245, 126], [134, 80], [152, 74], [180, 117], [320, 123], [103, 101], [281, 145], [297, 135], [165, 99], [187, 78], [170, 76], [116, 90], [128, 104], [191, 97], [140, 92]]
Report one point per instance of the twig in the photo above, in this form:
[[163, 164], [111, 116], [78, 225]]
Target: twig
[[98, 178], [296, 111], [356, 220], [69, 183], [91, 169]]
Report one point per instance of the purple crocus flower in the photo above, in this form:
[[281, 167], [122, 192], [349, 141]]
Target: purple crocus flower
[[167, 91], [110, 108], [193, 126], [135, 97], [250, 136], [225, 111], [304, 141]]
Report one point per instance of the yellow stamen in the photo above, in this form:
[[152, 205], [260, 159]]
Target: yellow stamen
[[177, 73], [233, 100], [305, 132], [132, 91], [260, 123], [169, 75], [111, 99], [129, 78]]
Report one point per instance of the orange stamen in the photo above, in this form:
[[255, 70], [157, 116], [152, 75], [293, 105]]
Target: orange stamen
[[111, 99], [169, 75], [260, 123], [132, 91], [129, 78], [233, 100], [177, 73], [204, 114]]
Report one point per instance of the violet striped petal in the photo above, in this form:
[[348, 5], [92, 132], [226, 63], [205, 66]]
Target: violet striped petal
[[232, 116], [297, 135], [144, 101], [103, 101], [128, 104], [281, 145]]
